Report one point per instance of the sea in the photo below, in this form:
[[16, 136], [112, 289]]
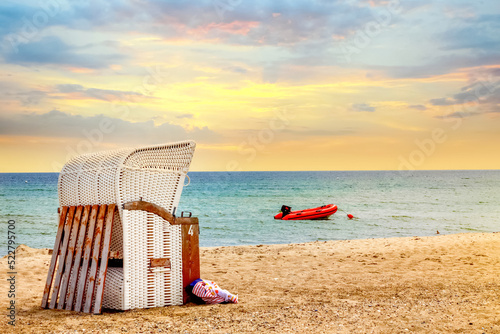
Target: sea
[[237, 208]]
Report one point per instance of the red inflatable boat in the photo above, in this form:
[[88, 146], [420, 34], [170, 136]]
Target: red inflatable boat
[[322, 212]]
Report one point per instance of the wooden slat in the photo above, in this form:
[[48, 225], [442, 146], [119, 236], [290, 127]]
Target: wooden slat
[[78, 257], [115, 255], [95, 259], [86, 257], [150, 207], [190, 256], [158, 210], [55, 253], [62, 258], [186, 221], [69, 257], [101, 278], [160, 262]]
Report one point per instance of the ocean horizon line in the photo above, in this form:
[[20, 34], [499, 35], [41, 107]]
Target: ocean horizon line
[[295, 171]]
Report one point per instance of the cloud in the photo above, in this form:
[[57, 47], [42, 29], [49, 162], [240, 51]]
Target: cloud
[[453, 44], [31, 98], [479, 33], [302, 22], [362, 107], [480, 92], [483, 96], [59, 124], [259, 22], [26, 97], [418, 107], [309, 30], [99, 94], [70, 88], [439, 65], [458, 114], [443, 101], [51, 50]]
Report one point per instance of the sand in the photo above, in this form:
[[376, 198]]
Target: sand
[[440, 284]]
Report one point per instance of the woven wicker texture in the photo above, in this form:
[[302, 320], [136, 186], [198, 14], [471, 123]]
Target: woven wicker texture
[[156, 174], [113, 289]]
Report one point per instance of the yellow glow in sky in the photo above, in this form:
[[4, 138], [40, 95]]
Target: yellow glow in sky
[[296, 88]]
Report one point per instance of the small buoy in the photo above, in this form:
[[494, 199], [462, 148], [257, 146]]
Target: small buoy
[[350, 216], [25, 181]]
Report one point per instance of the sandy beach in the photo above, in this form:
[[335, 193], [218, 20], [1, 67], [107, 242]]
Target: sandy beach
[[440, 284]]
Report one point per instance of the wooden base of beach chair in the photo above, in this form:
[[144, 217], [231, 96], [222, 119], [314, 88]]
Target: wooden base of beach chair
[[79, 264], [82, 241]]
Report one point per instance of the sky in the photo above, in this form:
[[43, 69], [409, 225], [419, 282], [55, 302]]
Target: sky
[[259, 85]]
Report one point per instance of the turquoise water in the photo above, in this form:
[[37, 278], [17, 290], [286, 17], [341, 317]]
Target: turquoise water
[[237, 208]]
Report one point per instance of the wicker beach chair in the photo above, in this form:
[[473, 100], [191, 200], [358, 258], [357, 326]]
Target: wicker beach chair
[[120, 205]]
